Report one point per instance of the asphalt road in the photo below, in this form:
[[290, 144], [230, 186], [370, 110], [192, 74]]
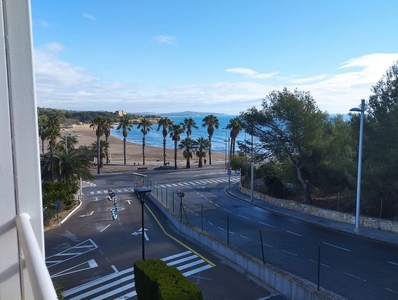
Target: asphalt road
[[91, 255], [351, 266]]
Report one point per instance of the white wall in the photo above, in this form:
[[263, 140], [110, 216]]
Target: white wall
[[19, 146]]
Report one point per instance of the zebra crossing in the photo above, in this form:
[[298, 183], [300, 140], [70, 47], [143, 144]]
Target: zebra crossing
[[120, 285], [106, 191], [200, 182], [168, 185]]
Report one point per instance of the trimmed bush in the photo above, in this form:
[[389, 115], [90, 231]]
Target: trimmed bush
[[155, 280]]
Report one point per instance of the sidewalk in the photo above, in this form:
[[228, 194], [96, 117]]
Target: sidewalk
[[370, 233]]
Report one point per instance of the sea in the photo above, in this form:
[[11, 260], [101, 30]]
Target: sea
[[155, 137]]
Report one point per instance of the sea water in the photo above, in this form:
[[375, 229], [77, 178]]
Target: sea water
[[155, 137]]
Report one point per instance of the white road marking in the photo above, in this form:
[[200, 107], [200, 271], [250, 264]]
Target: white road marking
[[269, 225], [78, 268], [105, 228], [353, 276], [341, 248], [243, 217], [294, 233], [289, 253], [139, 231], [396, 292], [315, 262]]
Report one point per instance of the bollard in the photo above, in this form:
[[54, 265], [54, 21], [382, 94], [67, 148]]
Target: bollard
[[113, 214]]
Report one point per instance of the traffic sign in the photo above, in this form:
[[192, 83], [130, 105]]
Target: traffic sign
[[58, 205]]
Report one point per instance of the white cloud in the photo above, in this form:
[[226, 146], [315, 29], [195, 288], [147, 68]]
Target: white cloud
[[89, 17], [251, 73], [165, 39], [342, 91], [44, 24], [60, 84]]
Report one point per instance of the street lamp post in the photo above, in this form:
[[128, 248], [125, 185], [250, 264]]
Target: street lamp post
[[252, 171], [226, 148], [358, 204], [141, 193]]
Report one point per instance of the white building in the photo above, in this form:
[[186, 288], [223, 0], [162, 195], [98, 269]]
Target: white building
[[23, 273]]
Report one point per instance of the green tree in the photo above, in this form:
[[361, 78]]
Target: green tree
[[187, 145], [107, 133], [164, 124], [98, 125], [145, 125], [290, 126], [212, 123], [188, 124], [235, 127], [68, 142], [201, 145], [42, 120], [103, 149], [126, 125], [72, 165], [175, 134], [53, 191], [52, 132], [380, 147]]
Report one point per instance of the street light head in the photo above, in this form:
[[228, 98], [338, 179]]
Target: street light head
[[141, 192], [356, 109]]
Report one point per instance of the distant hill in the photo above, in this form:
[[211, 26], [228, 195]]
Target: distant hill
[[182, 114]]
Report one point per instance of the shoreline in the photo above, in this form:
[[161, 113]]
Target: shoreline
[[153, 154]]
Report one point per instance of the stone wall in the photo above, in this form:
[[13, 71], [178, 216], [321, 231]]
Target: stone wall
[[386, 225]]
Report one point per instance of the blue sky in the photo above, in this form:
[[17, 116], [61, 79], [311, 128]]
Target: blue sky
[[210, 56]]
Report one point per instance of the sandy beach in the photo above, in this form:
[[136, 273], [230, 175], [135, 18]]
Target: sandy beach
[[153, 155]]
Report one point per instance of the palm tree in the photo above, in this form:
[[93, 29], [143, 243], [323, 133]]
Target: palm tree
[[103, 149], [235, 125], [126, 125], [164, 123], [72, 165], [187, 144], [42, 120], [52, 132], [201, 145], [188, 124], [67, 142], [98, 125], [175, 133], [107, 132], [145, 125], [212, 123]]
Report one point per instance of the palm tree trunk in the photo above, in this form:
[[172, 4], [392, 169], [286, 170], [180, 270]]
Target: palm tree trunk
[[209, 150], [52, 162], [124, 150], [143, 151], [164, 151], [175, 155], [98, 155], [107, 152]]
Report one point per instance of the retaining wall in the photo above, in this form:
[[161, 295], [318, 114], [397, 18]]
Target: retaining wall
[[386, 225]]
